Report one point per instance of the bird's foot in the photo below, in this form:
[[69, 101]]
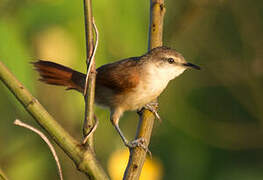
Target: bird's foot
[[140, 142], [153, 107]]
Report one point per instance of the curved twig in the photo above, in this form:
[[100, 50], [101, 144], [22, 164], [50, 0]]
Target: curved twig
[[91, 131], [92, 55], [42, 135]]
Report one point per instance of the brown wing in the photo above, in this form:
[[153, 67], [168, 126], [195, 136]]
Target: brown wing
[[119, 76]]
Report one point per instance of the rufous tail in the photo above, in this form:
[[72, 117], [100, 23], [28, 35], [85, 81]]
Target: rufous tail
[[56, 74]]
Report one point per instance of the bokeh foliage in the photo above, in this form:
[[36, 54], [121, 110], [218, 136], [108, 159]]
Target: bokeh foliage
[[212, 126]]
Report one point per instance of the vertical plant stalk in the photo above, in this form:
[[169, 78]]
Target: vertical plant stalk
[[83, 157], [146, 122], [157, 12], [89, 92]]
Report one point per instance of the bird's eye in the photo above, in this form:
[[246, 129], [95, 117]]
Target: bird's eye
[[171, 60]]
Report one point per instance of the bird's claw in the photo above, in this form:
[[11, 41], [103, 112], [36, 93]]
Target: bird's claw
[[153, 107], [140, 142]]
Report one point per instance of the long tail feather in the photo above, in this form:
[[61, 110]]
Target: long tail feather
[[56, 74]]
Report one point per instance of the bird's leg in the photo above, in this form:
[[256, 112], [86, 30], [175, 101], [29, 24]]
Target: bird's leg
[[125, 141], [140, 142], [153, 107]]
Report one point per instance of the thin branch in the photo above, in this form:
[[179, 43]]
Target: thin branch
[[87, 135], [157, 11], [83, 157], [145, 126], [19, 123], [89, 92]]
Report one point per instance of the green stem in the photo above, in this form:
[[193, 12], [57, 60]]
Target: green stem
[[90, 94], [84, 158]]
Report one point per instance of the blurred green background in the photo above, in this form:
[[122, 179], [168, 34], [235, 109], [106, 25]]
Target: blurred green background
[[212, 119]]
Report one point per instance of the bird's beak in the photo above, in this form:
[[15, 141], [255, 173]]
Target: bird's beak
[[190, 65]]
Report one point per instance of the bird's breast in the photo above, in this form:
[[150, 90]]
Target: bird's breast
[[146, 91]]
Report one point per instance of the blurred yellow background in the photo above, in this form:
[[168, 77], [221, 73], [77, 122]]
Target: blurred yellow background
[[212, 119]]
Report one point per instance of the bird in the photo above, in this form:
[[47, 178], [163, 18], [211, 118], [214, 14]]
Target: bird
[[126, 85]]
